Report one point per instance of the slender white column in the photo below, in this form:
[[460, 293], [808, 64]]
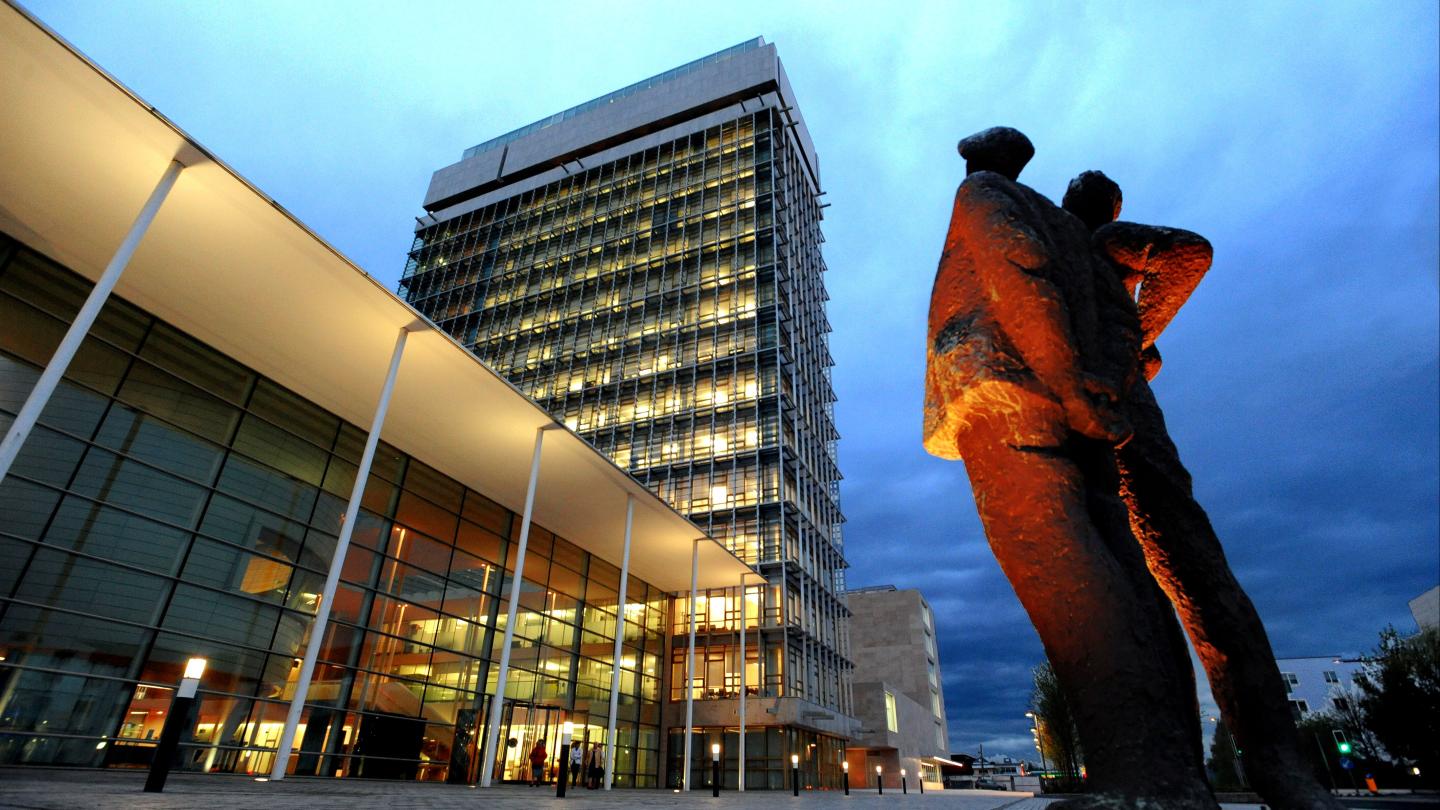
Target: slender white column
[[619, 636], [60, 361], [337, 561], [741, 759], [497, 704], [690, 664]]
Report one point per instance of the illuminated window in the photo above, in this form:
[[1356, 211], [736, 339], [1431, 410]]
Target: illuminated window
[[891, 722]]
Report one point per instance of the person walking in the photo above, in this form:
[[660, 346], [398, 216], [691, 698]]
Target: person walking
[[537, 758], [577, 762], [597, 766]]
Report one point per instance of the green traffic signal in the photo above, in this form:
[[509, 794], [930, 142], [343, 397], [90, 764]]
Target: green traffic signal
[[1343, 746]]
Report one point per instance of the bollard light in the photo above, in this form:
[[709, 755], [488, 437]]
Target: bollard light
[[567, 730], [195, 668], [845, 766], [904, 789], [175, 719], [715, 769], [879, 783], [795, 773]]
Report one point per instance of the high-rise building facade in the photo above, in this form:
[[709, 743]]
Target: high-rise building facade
[[648, 267]]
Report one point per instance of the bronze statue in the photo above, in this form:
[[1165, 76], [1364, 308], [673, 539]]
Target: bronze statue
[[1038, 361]]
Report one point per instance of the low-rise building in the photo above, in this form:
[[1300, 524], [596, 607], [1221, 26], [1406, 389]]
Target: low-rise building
[[193, 392], [899, 702], [1426, 609], [1318, 683]]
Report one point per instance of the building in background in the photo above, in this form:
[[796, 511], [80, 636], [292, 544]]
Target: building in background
[[899, 700], [647, 266], [1318, 683], [1426, 609], [183, 491]]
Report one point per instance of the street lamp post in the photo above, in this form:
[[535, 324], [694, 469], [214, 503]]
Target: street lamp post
[[1039, 743], [795, 773], [715, 769], [175, 723]]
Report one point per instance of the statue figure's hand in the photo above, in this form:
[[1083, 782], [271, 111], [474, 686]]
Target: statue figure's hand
[[1150, 362], [1094, 411]]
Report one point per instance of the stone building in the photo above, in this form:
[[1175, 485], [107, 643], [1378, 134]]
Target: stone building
[[899, 698]]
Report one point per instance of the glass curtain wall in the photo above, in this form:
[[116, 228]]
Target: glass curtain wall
[[172, 503]]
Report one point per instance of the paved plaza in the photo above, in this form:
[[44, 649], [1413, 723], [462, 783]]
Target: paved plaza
[[53, 789], [64, 789]]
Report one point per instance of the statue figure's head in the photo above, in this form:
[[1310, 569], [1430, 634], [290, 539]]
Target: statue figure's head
[[1002, 150], [1094, 198]]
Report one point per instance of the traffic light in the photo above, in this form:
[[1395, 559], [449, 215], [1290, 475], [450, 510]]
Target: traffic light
[[1341, 743]]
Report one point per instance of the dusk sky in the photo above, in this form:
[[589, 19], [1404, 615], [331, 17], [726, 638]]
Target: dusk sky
[[1300, 382]]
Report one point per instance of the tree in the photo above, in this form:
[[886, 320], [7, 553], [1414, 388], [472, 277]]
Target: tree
[[1224, 765], [1059, 735], [1400, 698], [1348, 716]]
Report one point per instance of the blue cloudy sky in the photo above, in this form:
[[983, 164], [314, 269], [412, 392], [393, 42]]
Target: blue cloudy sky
[[1300, 381]]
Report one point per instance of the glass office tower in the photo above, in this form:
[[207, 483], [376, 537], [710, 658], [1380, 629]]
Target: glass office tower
[[648, 267]]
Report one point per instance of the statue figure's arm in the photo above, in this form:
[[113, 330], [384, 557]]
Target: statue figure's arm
[[1166, 264]]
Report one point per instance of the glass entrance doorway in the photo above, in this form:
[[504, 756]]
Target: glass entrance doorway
[[522, 726]]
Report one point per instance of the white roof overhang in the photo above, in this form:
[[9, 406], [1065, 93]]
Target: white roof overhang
[[79, 155]]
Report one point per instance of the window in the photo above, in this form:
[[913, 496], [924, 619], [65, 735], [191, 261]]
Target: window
[[1298, 708], [1331, 677], [891, 723], [1290, 681], [1341, 704]]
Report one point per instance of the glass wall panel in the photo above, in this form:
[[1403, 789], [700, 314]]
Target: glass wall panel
[[173, 504]]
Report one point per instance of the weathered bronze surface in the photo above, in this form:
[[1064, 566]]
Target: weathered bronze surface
[[1042, 334]]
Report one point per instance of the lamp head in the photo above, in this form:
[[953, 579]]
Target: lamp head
[[794, 759], [195, 668]]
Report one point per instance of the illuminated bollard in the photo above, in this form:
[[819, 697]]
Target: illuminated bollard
[[567, 730], [174, 726], [795, 773], [845, 766], [879, 784], [715, 769], [904, 790]]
